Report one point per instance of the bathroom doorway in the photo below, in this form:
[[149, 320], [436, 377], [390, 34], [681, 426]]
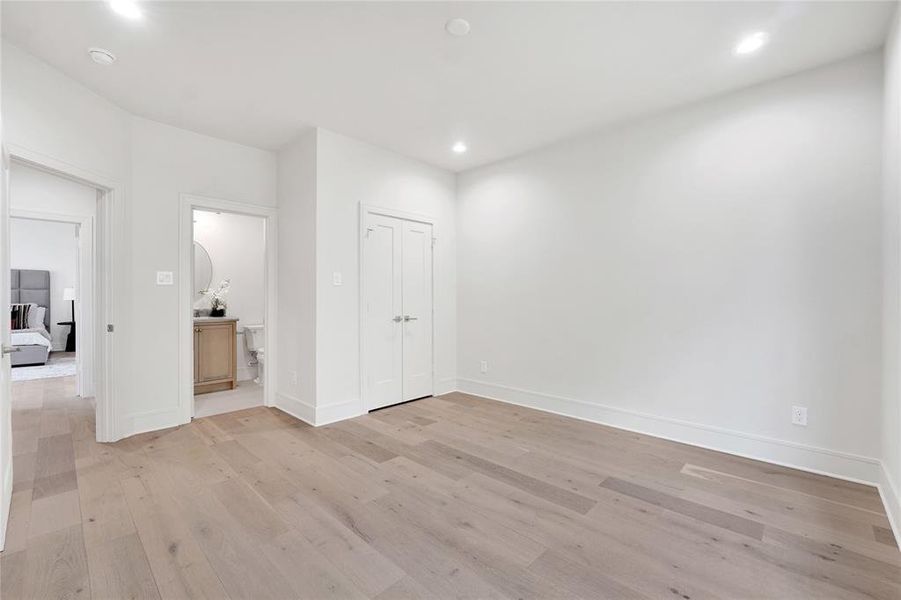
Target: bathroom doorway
[[227, 290]]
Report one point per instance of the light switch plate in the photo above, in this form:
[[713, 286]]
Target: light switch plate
[[337, 279], [164, 278]]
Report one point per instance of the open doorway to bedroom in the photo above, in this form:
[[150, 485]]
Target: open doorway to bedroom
[[52, 279]]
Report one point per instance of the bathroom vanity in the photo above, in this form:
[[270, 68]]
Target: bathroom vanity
[[215, 354]]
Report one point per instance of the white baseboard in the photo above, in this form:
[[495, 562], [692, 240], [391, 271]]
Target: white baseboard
[[317, 415], [153, 420], [891, 498], [823, 461], [445, 386], [332, 413], [296, 408], [6, 501]]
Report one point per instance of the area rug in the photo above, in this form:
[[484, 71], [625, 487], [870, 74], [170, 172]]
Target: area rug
[[63, 366]]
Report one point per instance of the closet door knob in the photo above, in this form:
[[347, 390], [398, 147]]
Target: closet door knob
[[397, 319], [408, 318]]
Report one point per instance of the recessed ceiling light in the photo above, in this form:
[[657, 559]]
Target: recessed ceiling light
[[126, 8], [459, 148], [457, 27], [101, 56], [752, 43]]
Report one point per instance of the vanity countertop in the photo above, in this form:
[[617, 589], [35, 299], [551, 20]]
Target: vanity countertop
[[222, 319]]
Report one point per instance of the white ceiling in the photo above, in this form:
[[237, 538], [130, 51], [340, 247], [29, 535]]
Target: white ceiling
[[388, 73]]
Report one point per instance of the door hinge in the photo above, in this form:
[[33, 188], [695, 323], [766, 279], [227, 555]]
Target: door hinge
[[434, 241], [110, 328]]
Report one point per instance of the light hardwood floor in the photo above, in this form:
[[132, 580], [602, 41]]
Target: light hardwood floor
[[442, 498]]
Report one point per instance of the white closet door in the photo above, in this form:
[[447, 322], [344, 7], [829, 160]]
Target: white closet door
[[383, 311], [417, 304]]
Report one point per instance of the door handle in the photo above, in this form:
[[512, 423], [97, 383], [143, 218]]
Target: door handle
[[10, 350], [408, 318], [397, 319]]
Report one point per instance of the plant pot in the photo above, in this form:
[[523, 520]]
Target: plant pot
[[217, 312]]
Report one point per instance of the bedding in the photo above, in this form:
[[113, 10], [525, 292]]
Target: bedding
[[30, 337], [36, 317]]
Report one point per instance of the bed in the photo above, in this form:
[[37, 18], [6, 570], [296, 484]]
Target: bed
[[30, 286]]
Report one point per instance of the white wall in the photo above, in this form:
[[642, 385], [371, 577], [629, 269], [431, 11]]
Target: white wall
[[236, 245], [891, 307], [296, 385], [349, 173], [694, 274], [52, 116], [168, 162], [48, 246]]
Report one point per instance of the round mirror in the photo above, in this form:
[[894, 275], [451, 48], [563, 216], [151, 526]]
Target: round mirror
[[203, 270]]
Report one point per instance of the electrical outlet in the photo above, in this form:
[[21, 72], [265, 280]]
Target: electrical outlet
[[799, 415], [293, 377], [164, 278], [483, 366]]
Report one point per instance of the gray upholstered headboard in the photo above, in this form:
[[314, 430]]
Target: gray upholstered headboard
[[28, 285]]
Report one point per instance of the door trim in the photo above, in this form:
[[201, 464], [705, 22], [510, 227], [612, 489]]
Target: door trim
[[369, 209], [269, 214], [110, 258]]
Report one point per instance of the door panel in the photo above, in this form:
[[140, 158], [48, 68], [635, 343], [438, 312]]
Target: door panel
[[417, 303], [383, 351]]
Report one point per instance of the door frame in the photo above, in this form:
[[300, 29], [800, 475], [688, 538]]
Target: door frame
[[84, 352], [269, 214], [365, 211], [109, 258]]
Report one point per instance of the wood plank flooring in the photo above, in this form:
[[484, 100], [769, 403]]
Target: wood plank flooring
[[450, 497]]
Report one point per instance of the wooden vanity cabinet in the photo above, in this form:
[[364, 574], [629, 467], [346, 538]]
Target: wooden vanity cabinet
[[215, 355]]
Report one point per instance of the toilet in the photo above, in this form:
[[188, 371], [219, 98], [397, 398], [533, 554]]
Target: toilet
[[254, 341]]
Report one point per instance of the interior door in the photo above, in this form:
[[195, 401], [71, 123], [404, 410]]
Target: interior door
[[6, 451], [417, 304], [382, 311], [397, 310]]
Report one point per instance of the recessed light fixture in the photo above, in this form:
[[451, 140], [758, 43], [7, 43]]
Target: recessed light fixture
[[457, 27], [101, 56], [126, 8], [752, 43], [459, 148]]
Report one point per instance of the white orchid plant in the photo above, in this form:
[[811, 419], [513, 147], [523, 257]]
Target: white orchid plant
[[219, 296]]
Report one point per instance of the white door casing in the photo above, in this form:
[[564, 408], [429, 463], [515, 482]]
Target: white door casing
[[396, 308], [6, 463]]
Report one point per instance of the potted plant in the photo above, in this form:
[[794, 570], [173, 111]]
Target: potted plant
[[218, 298]]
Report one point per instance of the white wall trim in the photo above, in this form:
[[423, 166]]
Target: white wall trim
[[110, 255], [296, 408], [187, 204], [332, 413], [6, 504], [317, 416], [822, 461], [891, 498], [446, 386]]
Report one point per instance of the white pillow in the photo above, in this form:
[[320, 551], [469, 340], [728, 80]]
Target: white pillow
[[36, 317]]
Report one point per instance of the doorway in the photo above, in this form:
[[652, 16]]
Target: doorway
[[227, 295], [397, 331]]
